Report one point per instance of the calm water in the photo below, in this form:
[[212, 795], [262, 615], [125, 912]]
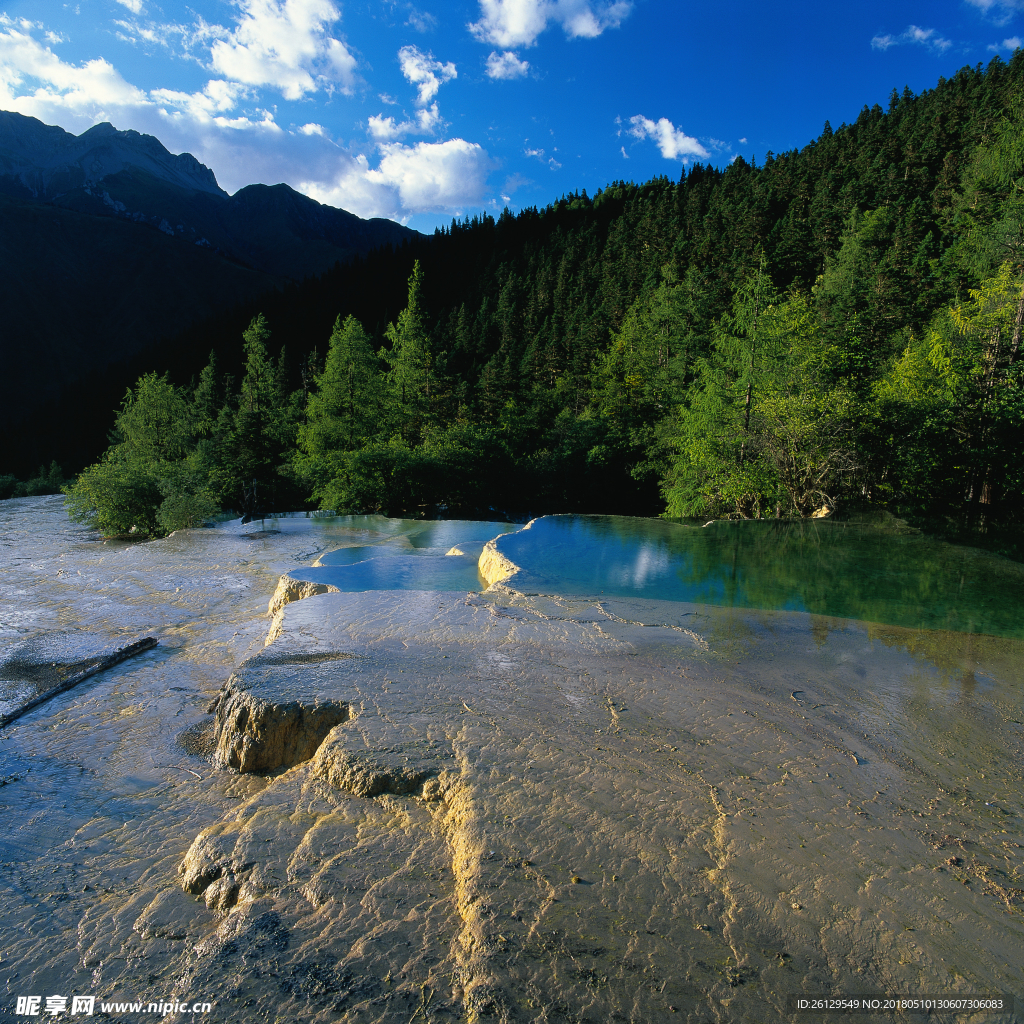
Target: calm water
[[400, 554], [826, 568], [866, 572]]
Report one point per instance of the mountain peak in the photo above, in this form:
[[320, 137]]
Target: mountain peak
[[103, 128], [46, 161]]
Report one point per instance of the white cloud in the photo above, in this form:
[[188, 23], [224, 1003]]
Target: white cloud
[[222, 126], [36, 82], [914, 34], [1011, 44], [95, 84], [286, 45], [135, 6], [429, 176], [672, 141], [1001, 11], [384, 129], [424, 72], [512, 23], [217, 99], [538, 153], [421, 21], [160, 35], [506, 65], [435, 175]]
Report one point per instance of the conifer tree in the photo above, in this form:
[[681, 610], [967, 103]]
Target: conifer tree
[[258, 451], [345, 410], [411, 380]]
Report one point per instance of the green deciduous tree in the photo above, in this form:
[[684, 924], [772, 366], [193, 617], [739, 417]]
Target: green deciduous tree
[[767, 429], [151, 481]]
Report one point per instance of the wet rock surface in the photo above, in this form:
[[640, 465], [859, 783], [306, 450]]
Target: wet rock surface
[[536, 809], [272, 713], [585, 805], [48, 660]]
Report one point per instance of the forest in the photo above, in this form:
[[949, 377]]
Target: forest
[[832, 329]]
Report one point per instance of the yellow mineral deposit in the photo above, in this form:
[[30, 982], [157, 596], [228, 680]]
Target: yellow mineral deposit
[[493, 566]]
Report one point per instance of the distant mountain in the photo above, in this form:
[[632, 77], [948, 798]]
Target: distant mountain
[[122, 174], [110, 243], [42, 161]]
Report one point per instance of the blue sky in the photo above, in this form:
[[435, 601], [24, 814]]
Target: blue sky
[[439, 108]]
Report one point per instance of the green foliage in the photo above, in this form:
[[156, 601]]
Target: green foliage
[[412, 381], [118, 498], [955, 403], [151, 481], [188, 500], [768, 428], [990, 206], [250, 453], [46, 481], [344, 411], [782, 339], [154, 425], [455, 469]]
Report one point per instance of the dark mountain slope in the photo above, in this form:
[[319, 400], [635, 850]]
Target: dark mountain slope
[[110, 243], [81, 292], [271, 228], [122, 174], [40, 161]]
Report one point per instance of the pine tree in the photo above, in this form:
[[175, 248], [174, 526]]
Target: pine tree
[[411, 379], [344, 411]]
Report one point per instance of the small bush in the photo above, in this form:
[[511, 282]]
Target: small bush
[[119, 499]]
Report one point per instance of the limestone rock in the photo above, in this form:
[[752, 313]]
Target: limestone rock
[[254, 735], [223, 893], [289, 590], [210, 857], [270, 714], [171, 915], [345, 762], [493, 565]]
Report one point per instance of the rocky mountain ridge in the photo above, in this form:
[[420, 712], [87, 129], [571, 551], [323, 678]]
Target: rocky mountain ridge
[[112, 245], [42, 161], [105, 172]]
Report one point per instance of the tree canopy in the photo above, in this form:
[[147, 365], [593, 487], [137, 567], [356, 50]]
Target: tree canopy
[[834, 327]]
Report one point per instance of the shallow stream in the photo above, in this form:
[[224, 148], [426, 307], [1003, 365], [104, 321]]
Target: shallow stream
[[680, 773]]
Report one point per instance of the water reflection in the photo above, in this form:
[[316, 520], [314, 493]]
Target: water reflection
[[396, 554], [827, 568], [382, 538], [396, 571]]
